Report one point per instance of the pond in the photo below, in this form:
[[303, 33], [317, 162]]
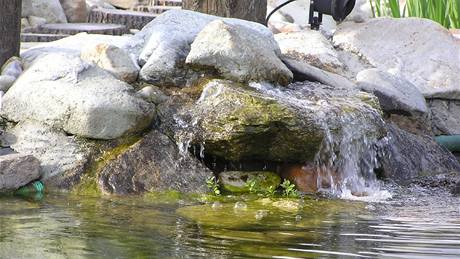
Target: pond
[[415, 223]]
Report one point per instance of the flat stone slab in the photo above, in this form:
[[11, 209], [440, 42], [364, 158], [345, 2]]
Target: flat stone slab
[[130, 19], [75, 28], [40, 37]]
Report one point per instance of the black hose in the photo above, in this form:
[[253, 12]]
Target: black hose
[[276, 9]]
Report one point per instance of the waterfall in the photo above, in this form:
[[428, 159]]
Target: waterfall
[[353, 136]]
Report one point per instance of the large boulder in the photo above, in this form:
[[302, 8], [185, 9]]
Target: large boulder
[[396, 94], [445, 115], [49, 9], [153, 164], [408, 157], [113, 59], [17, 170], [262, 123], [63, 158], [75, 10], [238, 54], [311, 47], [163, 45], [419, 50], [64, 92], [72, 45]]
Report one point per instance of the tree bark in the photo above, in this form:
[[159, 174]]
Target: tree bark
[[251, 10], [10, 29]]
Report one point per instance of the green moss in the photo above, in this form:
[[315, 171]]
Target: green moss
[[238, 182], [88, 183]]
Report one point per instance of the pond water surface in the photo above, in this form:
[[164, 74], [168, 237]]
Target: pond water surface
[[415, 223]]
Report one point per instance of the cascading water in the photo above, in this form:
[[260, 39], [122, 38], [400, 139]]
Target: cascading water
[[352, 126], [352, 137]]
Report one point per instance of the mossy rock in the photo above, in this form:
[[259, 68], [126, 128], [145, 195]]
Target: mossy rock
[[238, 123], [238, 181]]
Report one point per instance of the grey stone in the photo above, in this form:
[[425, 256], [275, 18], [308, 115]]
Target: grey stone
[[311, 47], [445, 115], [303, 71], [408, 157], [6, 82], [113, 59], [17, 170], [35, 21], [420, 50], [51, 10], [66, 93], [12, 67], [152, 94], [396, 94], [62, 158], [75, 10], [238, 54], [163, 45], [153, 164]]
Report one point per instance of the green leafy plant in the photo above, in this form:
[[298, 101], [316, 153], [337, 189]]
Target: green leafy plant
[[252, 186], [289, 189], [445, 12], [213, 185], [271, 191]]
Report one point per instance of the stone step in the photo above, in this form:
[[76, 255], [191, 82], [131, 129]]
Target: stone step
[[75, 28], [155, 9], [39, 37], [130, 19]]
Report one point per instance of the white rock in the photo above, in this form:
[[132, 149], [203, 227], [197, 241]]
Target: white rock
[[17, 170], [49, 9], [75, 10], [311, 47], [57, 152], [163, 45], [152, 94], [419, 50], [71, 45], [6, 82], [62, 91], [395, 94], [36, 21], [113, 59], [238, 54], [24, 24]]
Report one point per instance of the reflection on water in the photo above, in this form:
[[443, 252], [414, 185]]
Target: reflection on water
[[425, 225]]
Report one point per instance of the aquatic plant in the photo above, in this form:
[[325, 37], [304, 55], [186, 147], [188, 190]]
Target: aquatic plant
[[289, 189], [271, 191], [445, 12], [213, 185], [252, 186]]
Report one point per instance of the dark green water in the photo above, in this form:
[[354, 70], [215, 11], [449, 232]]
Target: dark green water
[[416, 223]]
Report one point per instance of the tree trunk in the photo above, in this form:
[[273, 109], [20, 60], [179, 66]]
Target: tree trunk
[[10, 29], [251, 10]]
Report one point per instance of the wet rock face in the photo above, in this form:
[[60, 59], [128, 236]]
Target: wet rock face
[[456, 190], [17, 170], [260, 122], [411, 48], [64, 92], [238, 54], [241, 124], [408, 157], [153, 164]]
